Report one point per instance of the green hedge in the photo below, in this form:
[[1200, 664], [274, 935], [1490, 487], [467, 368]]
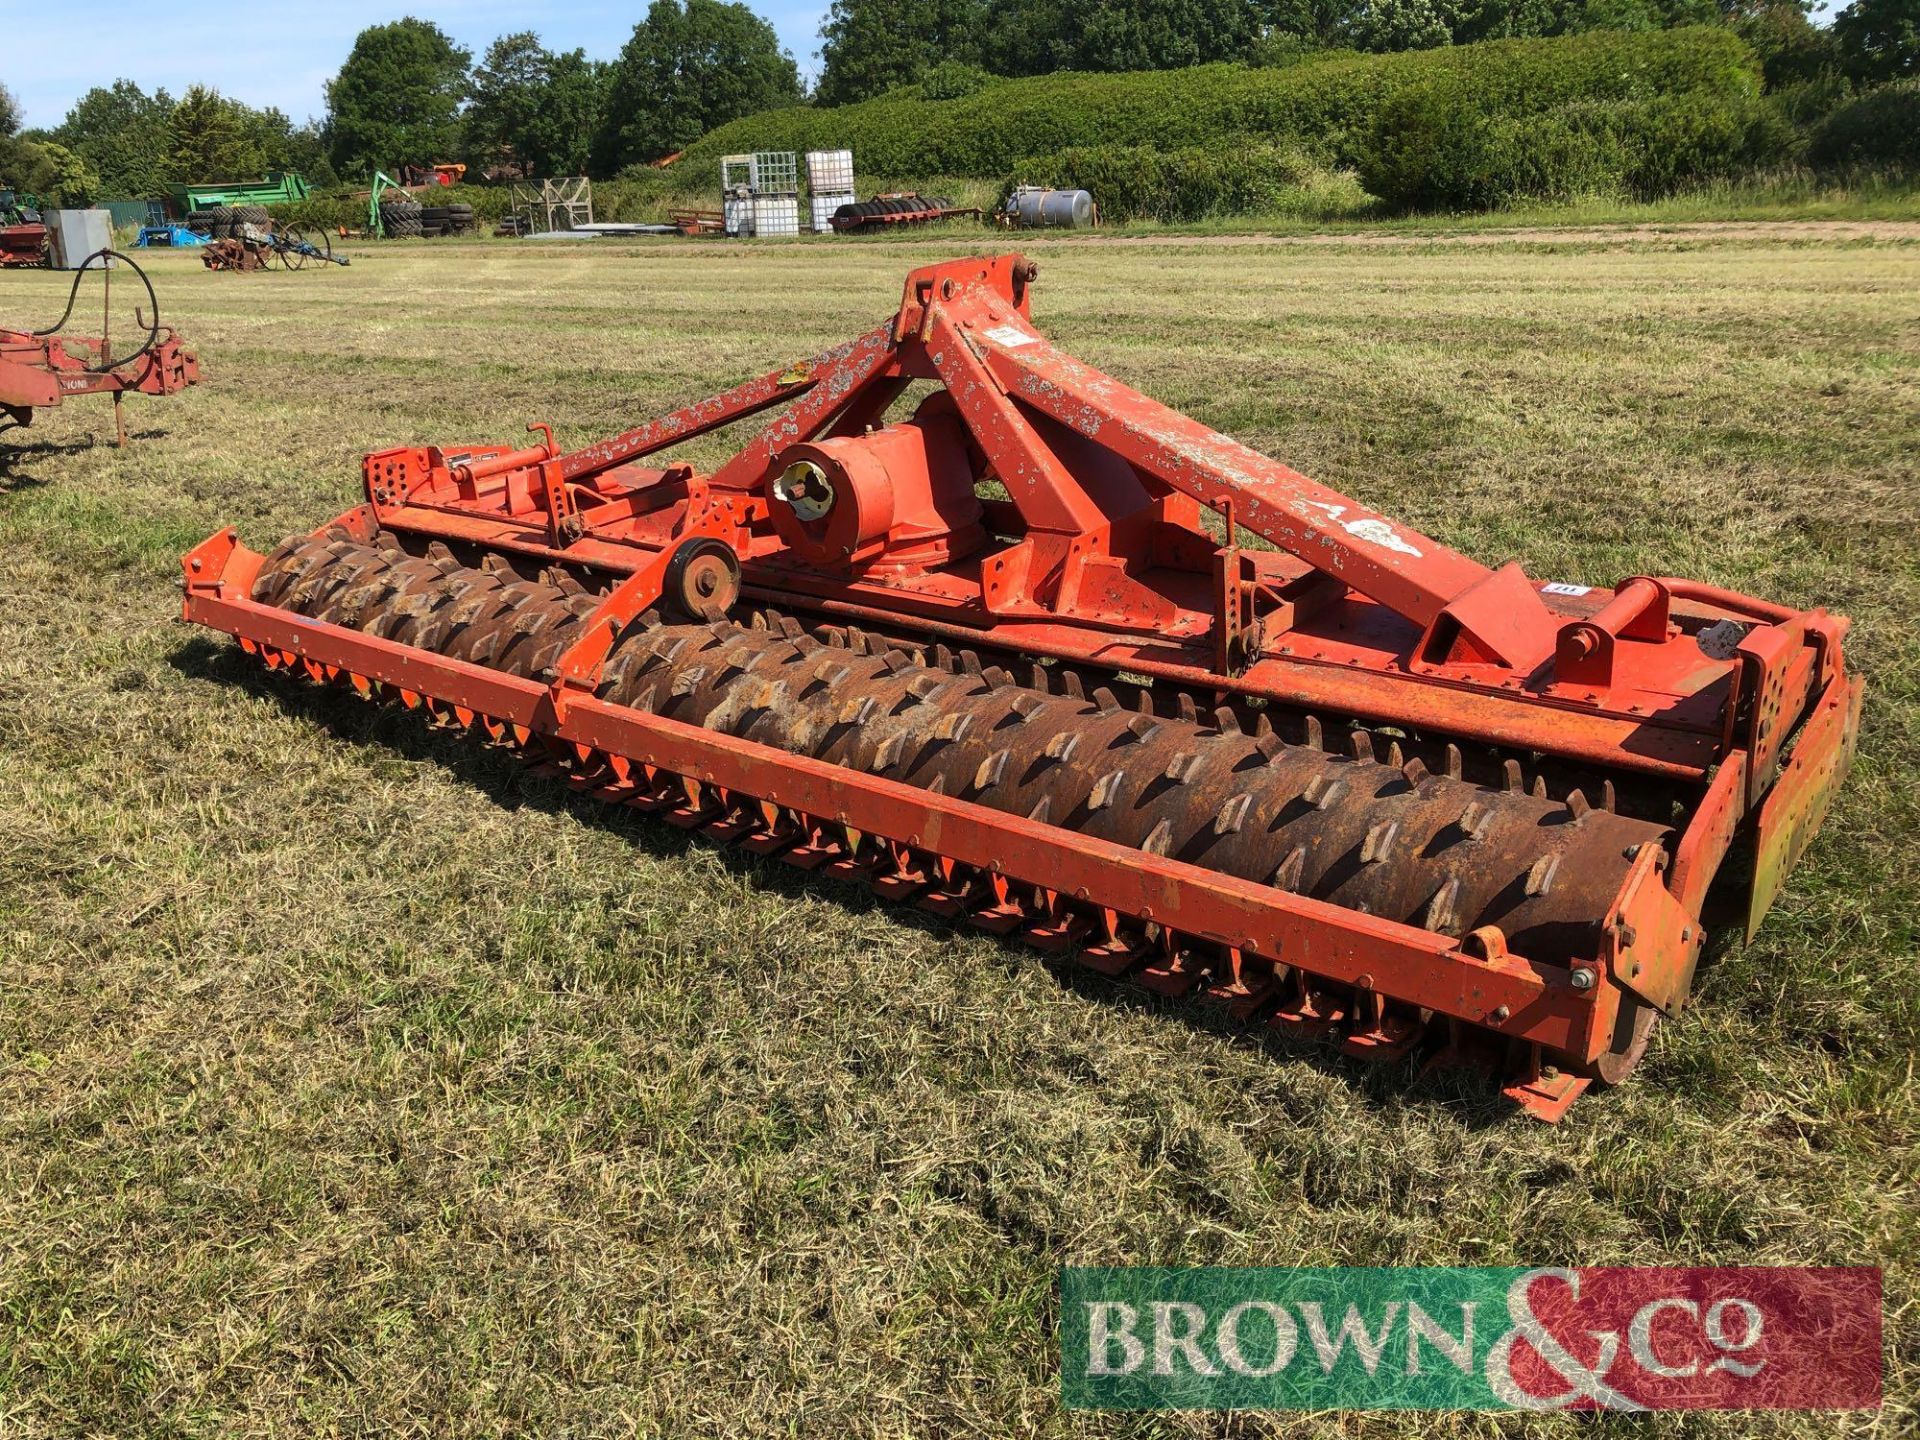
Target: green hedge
[[1880, 129], [1328, 105], [1431, 149]]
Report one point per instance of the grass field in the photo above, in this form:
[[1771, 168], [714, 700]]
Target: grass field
[[354, 1082]]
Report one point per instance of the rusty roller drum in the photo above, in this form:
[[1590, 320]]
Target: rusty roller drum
[[1336, 824]]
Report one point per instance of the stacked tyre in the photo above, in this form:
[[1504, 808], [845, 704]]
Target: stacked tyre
[[243, 216], [400, 219], [446, 220], [216, 221]]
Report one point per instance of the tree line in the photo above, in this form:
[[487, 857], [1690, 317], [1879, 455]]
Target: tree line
[[408, 94]]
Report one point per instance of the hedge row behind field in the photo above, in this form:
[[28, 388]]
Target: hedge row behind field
[[1326, 105], [1879, 129], [1430, 150]]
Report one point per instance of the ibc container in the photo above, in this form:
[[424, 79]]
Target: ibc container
[[824, 203], [830, 171], [776, 215]]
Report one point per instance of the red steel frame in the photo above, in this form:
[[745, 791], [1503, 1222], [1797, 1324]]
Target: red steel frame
[[38, 372], [1103, 557]]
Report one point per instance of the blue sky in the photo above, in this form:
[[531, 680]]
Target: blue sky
[[50, 54]]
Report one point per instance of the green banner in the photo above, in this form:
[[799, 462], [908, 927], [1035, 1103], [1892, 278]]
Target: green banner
[[1279, 1339], [1609, 1338]]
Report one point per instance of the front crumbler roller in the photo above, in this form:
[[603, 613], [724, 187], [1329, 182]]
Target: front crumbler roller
[[1357, 785]]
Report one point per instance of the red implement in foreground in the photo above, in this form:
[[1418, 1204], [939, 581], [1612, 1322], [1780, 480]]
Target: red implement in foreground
[[1008, 657], [39, 368]]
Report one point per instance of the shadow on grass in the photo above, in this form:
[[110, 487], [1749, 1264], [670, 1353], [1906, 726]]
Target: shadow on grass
[[1468, 1096], [16, 452]]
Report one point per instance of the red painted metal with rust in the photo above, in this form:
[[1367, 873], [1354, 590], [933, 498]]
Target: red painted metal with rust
[[38, 372], [1035, 509]]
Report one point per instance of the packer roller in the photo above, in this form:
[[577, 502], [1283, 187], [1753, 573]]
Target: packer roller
[[1043, 654]]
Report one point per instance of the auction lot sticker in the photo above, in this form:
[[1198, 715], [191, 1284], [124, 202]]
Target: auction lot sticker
[[1470, 1339]]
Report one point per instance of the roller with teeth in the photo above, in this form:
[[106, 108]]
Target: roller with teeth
[[1040, 654]]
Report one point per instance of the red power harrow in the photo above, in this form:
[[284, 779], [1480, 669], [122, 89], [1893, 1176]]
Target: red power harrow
[[39, 369], [992, 657]]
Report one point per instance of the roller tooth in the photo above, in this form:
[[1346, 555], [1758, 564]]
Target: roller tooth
[[943, 658], [1180, 769], [1262, 726], [1577, 805], [685, 682], [969, 662], [1233, 814], [494, 563], [1269, 745], [996, 677], [894, 661], [1360, 744], [1540, 877], [1378, 846], [1539, 787], [1038, 679], [1027, 706], [924, 687], [1161, 840], [859, 642], [1142, 728], [1395, 758], [1440, 913], [1143, 701], [859, 710], [1472, 822], [1453, 761], [791, 629], [1042, 811], [1606, 796], [1104, 790], [1071, 687], [1415, 771], [888, 755], [1316, 739], [938, 785], [1323, 792], [1288, 875], [1186, 709], [1510, 776], [1105, 701], [832, 672], [954, 725], [1226, 721], [1062, 745], [991, 769]]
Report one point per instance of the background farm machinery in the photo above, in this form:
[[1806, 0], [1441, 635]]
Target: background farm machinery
[[255, 247], [1023, 656]]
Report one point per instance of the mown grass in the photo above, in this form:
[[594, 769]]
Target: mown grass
[[352, 1081]]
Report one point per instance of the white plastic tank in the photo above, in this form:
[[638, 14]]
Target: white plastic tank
[[738, 210], [830, 171], [1038, 209], [823, 204], [776, 215]]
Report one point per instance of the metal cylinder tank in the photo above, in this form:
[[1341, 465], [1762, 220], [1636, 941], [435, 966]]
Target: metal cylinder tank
[[1035, 208]]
